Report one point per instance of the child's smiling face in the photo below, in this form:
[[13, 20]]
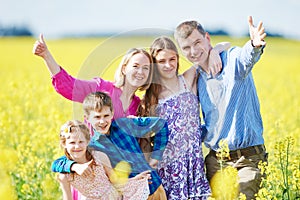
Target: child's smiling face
[[101, 121], [76, 145]]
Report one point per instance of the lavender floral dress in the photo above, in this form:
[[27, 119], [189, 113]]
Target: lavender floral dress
[[182, 165]]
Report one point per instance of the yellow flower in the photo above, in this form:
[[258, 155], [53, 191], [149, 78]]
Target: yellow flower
[[223, 151], [224, 184], [120, 173], [6, 188]]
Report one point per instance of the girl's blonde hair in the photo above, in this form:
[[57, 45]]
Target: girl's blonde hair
[[119, 75], [74, 127]]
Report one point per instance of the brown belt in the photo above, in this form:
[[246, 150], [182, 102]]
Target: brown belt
[[246, 152]]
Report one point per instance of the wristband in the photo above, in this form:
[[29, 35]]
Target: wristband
[[255, 46], [252, 44]]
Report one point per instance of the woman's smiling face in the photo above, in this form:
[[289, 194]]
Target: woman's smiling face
[[137, 70]]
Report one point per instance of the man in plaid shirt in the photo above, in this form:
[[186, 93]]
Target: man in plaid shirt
[[119, 140]]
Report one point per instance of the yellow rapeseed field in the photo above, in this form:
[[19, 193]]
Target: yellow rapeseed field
[[31, 112]]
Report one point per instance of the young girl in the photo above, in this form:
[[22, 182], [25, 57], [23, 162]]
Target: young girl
[[74, 138], [134, 73], [173, 97]]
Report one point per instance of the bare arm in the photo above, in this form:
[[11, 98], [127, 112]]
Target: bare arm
[[65, 186], [40, 49], [103, 158], [190, 76], [214, 63]]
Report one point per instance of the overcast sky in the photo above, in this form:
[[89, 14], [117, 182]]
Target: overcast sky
[[64, 17]]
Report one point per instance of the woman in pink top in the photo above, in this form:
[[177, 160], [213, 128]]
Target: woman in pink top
[[134, 72]]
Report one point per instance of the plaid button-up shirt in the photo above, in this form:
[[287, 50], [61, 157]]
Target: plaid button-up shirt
[[122, 145]]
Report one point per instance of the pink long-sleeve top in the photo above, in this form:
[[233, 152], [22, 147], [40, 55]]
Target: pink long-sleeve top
[[76, 90]]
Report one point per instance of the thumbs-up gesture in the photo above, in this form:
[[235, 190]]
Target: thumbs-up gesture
[[40, 47], [257, 34]]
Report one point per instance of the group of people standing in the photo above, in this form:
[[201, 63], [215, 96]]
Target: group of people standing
[[163, 143]]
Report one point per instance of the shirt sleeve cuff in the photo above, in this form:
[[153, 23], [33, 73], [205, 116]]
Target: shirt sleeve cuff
[[256, 49], [62, 71]]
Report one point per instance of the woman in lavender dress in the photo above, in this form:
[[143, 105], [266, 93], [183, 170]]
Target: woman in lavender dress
[[181, 168], [173, 97]]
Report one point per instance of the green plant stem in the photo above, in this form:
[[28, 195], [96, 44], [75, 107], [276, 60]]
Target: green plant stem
[[286, 169]]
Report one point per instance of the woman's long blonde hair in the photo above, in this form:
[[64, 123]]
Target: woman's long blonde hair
[[119, 75]]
